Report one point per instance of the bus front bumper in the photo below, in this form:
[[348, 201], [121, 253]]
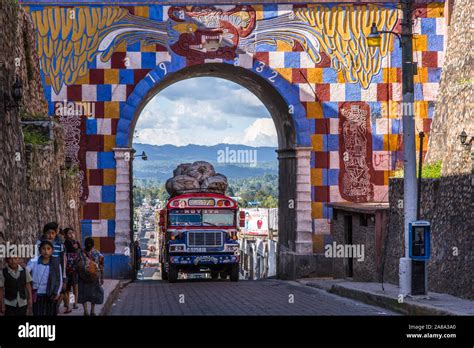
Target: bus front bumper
[[204, 259]]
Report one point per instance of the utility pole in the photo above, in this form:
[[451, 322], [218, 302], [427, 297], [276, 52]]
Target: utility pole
[[420, 174], [409, 148]]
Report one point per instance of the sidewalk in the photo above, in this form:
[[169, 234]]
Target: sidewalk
[[372, 293], [111, 289]]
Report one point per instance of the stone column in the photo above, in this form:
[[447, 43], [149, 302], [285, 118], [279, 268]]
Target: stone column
[[304, 230], [286, 199], [123, 157]]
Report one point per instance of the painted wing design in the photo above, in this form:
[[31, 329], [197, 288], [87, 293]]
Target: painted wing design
[[339, 31], [70, 38]]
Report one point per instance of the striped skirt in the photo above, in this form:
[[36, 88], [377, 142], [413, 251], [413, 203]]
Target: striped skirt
[[45, 306]]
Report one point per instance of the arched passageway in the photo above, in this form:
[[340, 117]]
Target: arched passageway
[[290, 123]]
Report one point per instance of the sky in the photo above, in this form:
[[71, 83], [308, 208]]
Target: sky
[[205, 111]]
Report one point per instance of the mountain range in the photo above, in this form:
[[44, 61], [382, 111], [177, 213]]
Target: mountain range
[[233, 160]]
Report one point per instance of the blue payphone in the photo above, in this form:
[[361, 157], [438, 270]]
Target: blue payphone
[[419, 247]]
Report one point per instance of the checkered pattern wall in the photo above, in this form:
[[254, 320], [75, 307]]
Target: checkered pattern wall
[[323, 91]]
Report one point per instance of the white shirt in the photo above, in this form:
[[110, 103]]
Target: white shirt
[[40, 274]]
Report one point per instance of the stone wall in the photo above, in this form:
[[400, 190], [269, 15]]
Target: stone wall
[[447, 204], [365, 270], [454, 108], [366, 223], [35, 187]]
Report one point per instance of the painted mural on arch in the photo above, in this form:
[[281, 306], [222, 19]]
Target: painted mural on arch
[[100, 54], [69, 39]]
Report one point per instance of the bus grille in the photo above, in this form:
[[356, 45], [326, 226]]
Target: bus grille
[[204, 239]]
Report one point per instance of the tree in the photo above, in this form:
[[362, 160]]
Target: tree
[[230, 191], [270, 202]]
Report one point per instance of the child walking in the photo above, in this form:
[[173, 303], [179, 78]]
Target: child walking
[[47, 279], [15, 289], [51, 232]]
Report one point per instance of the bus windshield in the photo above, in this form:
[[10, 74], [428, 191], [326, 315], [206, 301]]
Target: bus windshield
[[217, 217], [204, 217], [177, 219]]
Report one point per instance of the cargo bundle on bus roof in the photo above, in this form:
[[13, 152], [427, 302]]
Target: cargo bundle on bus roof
[[199, 176]]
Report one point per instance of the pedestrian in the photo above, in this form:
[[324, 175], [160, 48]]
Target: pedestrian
[[59, 243], [45, 235], [62, 235], [91, 276], [51, 232], [15, 289], [138, 256], [72, 248], [47, 280]]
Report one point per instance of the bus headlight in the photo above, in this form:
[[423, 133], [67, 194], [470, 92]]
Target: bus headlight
[[174, 234], [232, 235]]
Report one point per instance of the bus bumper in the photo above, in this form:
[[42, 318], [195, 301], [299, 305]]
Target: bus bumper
[[204, 259]]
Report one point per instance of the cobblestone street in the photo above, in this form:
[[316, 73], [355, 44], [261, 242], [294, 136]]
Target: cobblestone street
[[206, 297]]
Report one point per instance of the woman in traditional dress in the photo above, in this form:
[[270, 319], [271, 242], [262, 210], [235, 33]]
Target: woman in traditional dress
[[91, 276]]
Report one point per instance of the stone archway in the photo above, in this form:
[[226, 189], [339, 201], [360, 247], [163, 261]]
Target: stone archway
[[123, 49], [294, 223]]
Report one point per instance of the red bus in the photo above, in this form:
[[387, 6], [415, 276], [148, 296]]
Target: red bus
[[199, 233]]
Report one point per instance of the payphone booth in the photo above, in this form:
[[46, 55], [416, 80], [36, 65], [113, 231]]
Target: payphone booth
[[419, 247], [419, 252]]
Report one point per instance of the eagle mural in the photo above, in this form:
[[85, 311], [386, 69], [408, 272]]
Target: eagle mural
[[70, 38]]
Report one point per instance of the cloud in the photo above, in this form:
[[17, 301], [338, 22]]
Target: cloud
[[224, 95], [159, 137], [205, 111], [261, 132], [182, 116], [199, 88]]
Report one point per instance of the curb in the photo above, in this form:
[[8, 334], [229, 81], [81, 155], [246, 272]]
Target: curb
[[407, 308], [113, 296]]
